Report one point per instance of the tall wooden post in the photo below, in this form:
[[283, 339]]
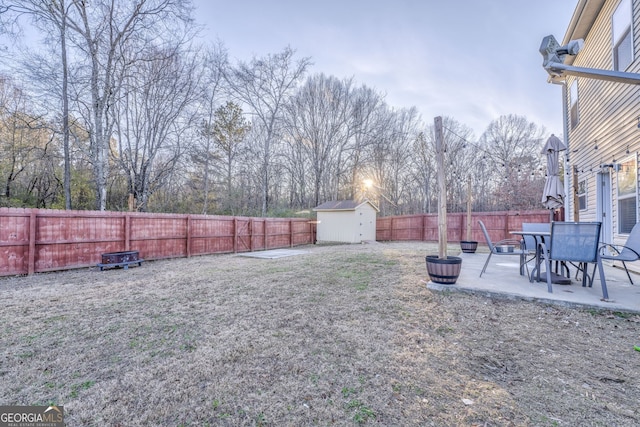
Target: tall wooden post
[[469, 208], [442, 190]]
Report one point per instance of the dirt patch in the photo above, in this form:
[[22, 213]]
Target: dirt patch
[[342, 335]]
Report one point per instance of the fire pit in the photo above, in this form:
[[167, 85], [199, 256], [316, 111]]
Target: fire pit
[[120, 259]]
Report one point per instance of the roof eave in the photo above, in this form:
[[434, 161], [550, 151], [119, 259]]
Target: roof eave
[[584, 16]]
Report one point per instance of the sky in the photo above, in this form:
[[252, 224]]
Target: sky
[[471, 60]]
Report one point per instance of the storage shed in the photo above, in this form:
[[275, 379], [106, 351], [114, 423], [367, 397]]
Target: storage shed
[[346, 221]]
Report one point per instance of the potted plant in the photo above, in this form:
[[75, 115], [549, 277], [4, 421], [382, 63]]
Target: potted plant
[[468, 246], [442, 268]]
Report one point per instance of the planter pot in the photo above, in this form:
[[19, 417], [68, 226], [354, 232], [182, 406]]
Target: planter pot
[[468, 246], [443, 271]]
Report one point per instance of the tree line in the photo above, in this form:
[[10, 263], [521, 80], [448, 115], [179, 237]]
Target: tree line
[[121, 108]]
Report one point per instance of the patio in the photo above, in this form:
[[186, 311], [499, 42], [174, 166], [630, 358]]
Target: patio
[[502, 280]]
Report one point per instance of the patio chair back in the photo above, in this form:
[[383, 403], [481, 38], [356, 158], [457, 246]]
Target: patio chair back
[[486, 236], [493, 250], [632, 246], [629, 252], [575, 241], [529, 241]]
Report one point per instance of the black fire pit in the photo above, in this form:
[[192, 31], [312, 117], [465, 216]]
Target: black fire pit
[[120, 259]]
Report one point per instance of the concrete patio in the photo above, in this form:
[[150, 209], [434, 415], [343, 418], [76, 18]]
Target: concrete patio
[[502, 280]]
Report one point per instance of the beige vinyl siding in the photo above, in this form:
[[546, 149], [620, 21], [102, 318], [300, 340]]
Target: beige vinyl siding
[[608, 111], [336, 226]]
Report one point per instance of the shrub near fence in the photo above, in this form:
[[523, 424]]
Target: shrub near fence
[[37, 240], [424, 227]]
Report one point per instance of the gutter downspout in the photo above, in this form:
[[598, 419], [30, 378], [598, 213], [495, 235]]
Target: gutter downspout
[[568, 202]]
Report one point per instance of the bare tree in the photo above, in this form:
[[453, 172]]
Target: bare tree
[[369, 120], [265, 85], [318, 118], [229, 131], [215, 62], [150, 119], [392, 155], [512, 147], [105, 29], [51, 17], [460, 157], [16, 147]]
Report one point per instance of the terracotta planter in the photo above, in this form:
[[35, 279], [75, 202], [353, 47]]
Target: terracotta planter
[[468, 246], [443, 271]]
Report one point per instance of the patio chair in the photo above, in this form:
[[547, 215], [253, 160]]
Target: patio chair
[[530, 246], [493, 248], [628, 252], [575, 242]]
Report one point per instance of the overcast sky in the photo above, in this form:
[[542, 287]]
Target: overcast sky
[[473, 60]]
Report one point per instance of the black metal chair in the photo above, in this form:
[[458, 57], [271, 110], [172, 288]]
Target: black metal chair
[[575, 242], [493, 248], [628, 252]]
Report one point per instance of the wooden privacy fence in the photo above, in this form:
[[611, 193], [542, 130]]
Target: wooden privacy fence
[[37, 240], [425, 226]]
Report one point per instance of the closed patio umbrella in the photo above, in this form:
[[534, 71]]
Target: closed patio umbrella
[[553, 193]]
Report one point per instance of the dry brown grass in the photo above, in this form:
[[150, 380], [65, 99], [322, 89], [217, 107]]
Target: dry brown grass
[[345, 335]]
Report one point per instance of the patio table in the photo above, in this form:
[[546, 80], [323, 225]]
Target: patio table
[[539, 238]]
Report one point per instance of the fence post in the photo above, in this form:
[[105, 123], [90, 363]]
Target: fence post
[[188, 236], [127, 232], [250, 234], [235, 235], [32, 241], [392, 230], [506, 226], [291, 233]]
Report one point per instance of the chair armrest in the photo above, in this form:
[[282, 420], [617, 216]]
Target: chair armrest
[[617, 248], [512, 242]]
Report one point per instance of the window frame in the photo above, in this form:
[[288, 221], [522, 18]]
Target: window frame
[[581, 194], [632, 193], [574, 96], [622, 34]]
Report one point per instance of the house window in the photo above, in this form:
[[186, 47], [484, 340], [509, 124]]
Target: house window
[[627, 195], [622, 37], [573, 102], [582, 195]]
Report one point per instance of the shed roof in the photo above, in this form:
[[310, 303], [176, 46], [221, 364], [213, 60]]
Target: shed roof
[[342, 205]]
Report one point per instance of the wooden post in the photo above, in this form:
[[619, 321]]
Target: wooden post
[[235, 235], [32, 241], [127, 232], [251, 235], [291, 233], [442, 190], [188, 236], [266, 236], [469, 208]]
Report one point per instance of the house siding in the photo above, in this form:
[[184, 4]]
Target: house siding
[[608, 116]]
